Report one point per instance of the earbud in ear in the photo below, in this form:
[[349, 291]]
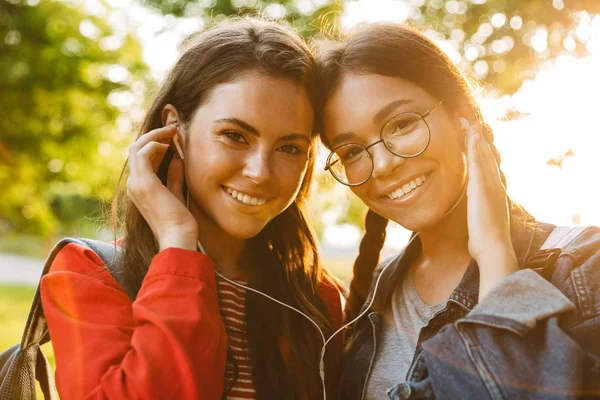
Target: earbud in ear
[[177, 144], [465, 125]]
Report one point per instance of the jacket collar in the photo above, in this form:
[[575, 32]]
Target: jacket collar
[[527, 237]]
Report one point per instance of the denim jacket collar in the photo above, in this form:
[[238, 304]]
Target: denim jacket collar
[[527, 237]]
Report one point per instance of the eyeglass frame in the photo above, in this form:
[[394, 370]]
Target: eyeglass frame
[[328, 164]]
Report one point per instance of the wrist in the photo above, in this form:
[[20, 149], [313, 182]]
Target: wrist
[[186, 241], [499, 258], [494, 268]]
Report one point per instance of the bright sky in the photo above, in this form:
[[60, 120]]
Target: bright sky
[[561, 104]]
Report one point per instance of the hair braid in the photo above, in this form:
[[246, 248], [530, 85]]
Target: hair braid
[[366, 262]]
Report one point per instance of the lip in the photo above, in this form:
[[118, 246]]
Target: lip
[[403, 182], [412, 196]]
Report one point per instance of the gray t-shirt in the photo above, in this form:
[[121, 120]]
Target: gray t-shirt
[[402, 321]]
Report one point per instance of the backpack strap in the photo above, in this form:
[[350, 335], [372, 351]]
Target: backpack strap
[[561, 237], [36, 329], [110, 254]]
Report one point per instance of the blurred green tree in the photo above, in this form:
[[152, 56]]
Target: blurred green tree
[[308, 17], [63, 74], [60, 149], [505, 41]]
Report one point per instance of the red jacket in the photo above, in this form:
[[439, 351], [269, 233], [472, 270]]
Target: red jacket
[[170, 343]]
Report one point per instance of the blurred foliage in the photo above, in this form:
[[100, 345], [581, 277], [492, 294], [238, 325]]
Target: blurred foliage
[[506, 40], [65, 75], [308, 17], [58, 131]]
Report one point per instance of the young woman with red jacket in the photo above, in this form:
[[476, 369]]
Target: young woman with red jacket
[[238, 106]]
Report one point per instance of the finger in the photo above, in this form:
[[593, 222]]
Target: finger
[[162, 135], [150, 156], [473, 155], [490, 166], [176, 178]]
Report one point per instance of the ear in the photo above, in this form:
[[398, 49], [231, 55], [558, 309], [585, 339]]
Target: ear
[[169, 115]]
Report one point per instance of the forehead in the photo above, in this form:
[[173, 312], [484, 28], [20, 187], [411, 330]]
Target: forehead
[[359, 97], [266, 102]]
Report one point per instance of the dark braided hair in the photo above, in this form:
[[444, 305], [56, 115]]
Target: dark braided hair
[[365, 264], [401, 51]]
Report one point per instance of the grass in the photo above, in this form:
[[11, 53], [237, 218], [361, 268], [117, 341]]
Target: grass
[[27, 245], [15, 302]]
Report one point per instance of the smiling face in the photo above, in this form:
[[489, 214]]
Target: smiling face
[[416, 192], [247, 152]]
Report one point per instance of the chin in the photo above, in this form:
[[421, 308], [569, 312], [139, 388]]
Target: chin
[[419, 220], [243, 231]]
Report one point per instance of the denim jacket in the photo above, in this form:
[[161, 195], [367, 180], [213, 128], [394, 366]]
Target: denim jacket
[[536, 335]]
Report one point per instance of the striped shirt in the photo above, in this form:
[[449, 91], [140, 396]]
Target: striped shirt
[[232, 300]]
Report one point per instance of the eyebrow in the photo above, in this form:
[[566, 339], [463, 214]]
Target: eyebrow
[[241, 124], [379, 116], [295, 136], [385, 110], [342, 137], [254, 131]]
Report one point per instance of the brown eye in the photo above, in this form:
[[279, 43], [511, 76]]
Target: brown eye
[[291, 149], [235, 136]]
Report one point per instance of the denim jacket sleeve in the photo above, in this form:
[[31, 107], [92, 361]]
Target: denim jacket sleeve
[[515, 344]]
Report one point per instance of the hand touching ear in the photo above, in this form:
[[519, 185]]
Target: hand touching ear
[[162, 207], [488, 216]]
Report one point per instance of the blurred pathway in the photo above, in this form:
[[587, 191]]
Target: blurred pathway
[[16, 269]]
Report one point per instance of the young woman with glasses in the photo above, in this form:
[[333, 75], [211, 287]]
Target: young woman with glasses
[[245, 317], [482, 303]]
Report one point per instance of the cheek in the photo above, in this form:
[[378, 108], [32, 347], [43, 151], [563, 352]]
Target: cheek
[[210, 164], [362, 192], [290, 178]]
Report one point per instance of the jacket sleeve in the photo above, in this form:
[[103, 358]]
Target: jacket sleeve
[[170, 343], [511, 346]]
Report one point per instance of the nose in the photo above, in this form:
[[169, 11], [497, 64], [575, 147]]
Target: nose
[[384, 161], [257, 166]]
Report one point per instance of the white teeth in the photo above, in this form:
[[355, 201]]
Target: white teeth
[[244, 198], [407, 188]]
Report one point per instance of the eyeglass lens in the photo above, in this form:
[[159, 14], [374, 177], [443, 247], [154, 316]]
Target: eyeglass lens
[[405, 135]]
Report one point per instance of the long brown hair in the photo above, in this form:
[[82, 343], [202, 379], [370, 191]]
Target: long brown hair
[[282, 260], [399, 51]]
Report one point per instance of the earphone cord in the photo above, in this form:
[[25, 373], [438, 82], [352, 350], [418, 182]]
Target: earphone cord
[[325, 341]]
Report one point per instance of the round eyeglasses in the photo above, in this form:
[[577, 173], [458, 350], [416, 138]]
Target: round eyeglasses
[[405, 135]]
